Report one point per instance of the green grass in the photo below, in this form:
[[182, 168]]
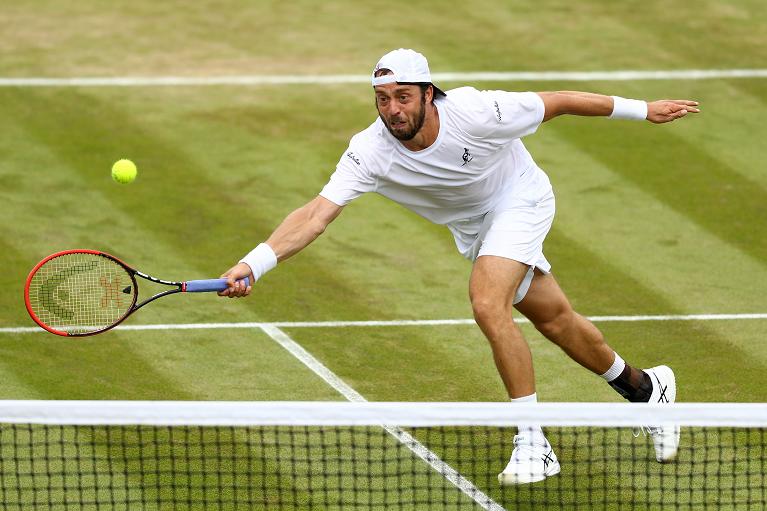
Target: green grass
[[651, 219]]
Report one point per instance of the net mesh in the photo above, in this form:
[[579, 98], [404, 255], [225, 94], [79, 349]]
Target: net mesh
[[80, 292], [363, 466]]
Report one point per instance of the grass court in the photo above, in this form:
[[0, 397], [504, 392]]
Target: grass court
[[651, 220]]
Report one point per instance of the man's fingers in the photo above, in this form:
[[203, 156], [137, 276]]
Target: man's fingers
[[687, 105], [667, 110], [684, 110], [235, 281], [236, 290], [235, 286]]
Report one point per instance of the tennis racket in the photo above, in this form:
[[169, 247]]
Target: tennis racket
[[86, 292]]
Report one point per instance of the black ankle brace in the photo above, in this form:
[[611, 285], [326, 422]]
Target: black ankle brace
[[633, 384]]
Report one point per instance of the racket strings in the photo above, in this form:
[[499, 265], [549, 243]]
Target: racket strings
[[81, 292]]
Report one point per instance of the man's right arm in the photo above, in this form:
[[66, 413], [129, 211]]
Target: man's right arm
[[297, 231], [302, 226]]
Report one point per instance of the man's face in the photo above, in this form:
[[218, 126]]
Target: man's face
[[402, 108]]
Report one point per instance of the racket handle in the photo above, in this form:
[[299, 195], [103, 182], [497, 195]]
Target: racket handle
[[209, 285]]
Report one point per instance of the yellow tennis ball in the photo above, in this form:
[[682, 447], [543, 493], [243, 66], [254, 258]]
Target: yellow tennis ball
[[124, 171]]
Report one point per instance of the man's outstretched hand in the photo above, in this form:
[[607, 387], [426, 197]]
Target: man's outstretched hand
[[667, 110], [234, 276]]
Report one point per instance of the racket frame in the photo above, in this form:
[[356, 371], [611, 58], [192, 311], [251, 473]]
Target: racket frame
[[132, 272]]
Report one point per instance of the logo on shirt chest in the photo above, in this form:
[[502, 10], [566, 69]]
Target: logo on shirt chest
[[467, 157]]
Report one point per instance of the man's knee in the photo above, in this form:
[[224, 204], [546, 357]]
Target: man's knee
[[485, 309], [490, 313], [493, 285]]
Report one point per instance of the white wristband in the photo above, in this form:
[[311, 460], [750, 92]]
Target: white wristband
[[629, 109], [261, 259]]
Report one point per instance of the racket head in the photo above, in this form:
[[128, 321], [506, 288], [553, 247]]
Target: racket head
[[80, 292]]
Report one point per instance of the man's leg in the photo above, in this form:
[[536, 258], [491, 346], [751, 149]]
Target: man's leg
[[546, 306], [493, 286], [494, 282]]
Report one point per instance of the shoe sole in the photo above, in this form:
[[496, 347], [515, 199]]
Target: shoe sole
[[671, 458], [515, 479]]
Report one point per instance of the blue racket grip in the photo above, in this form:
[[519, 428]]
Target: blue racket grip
[[202, 286]]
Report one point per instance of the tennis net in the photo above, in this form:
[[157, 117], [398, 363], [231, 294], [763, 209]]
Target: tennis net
[[120, 455]]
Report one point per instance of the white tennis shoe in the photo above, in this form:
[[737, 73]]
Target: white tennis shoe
[[531, 460], [665, 437]]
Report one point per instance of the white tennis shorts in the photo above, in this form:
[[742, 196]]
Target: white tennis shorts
[[514, 229]]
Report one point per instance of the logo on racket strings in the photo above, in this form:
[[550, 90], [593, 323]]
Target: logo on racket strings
[[52, 297]]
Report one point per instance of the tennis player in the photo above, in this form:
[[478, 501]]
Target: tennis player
[[457, 159]]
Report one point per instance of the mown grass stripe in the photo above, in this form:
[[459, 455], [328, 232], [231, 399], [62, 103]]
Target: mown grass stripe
[[708, 192]]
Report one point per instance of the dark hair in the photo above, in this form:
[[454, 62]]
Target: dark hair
[[424, 87], [436, 91]]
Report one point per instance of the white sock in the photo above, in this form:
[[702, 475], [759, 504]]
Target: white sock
[[533, 433], [615, 370]]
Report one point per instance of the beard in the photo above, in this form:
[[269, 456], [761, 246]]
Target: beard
[[411, 128]]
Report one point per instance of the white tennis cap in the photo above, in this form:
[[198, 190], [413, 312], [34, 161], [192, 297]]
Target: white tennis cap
[[407, 66]]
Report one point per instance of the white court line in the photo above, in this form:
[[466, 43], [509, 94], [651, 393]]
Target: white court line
[[406, 439], [404, 322], [500, 76]]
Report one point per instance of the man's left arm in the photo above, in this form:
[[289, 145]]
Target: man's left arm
[[589, 104]]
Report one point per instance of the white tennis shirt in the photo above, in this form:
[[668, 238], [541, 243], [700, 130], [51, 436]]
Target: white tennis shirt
[[476, 159]]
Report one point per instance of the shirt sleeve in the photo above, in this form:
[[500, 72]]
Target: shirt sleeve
[[351, 179], [514, 114]]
